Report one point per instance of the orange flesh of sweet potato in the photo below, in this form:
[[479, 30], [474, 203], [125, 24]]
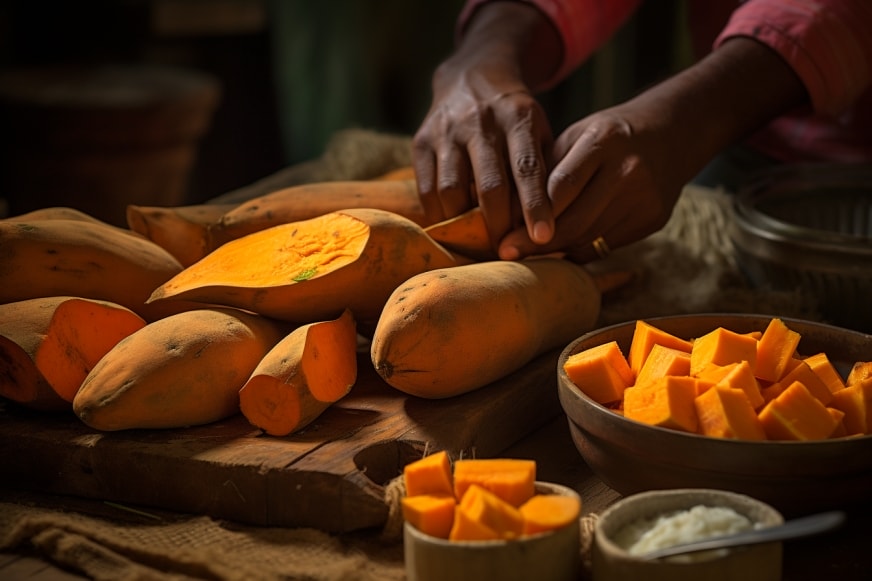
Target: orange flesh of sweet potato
[[59, 339], [722, 347], [802, 373], [601, 372], [667, 402], [822, 366], [740, 376], [183, 370], [432, 514], [513, 480], [549, 512], [467, 528], [465, 234], [775, 349], [796, 415], [855, 401], [311, 368], [312, 270], [725, 412], [429, 475], [481, 505], [662, 361], [645, 336], [860, 371]]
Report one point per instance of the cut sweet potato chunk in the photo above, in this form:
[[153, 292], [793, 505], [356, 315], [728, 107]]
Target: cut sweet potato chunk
[[722, 347], [667, 402], [483, 506], [822, 366], [512, 479], [856, 403], [429, 475], [663, 361], [601, 372], [549, 512], [645, 336], [775, 349], [725, 412], [796, 414], [801, 372], [432, 514]]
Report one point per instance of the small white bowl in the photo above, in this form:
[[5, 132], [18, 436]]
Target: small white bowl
[[611, 562], [552, 556]]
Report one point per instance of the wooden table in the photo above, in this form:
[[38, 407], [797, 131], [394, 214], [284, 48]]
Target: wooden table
[[843, 555]]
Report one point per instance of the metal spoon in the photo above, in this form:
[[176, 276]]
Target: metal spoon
[[792, 529]]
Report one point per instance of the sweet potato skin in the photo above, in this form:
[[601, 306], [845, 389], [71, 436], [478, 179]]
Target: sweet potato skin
[[183, 370], [79, 258], [450, 331]]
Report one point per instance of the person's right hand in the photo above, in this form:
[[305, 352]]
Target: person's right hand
[[484, 139]]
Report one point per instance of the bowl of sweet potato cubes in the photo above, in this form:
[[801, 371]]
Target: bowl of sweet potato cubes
[[472, 519], [776, 408]]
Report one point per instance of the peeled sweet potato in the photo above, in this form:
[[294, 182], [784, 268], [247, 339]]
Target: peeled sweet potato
[[313, 270], [183, 370], [450, 331], [49, 345], [302, 375], [83, 259]]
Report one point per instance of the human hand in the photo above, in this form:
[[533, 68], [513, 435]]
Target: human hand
[[615, 182]]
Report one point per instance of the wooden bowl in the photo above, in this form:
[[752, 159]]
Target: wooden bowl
[[611, 562], [795, 477], [553, 556]]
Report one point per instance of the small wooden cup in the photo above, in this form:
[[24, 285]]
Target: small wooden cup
[[552, 556]]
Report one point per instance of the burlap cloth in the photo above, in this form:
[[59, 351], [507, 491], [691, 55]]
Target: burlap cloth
[[687, 267]]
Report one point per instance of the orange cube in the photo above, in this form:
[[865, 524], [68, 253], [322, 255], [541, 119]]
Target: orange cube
[[724, 412], [663, 361], [737, 376], [775, 349], [512, 479], [666, 402], [491, 511], [722, 347], [645, 336], [859, 371], [804, 374], [432, 514], [824, 369], [855, 401], [548, 512], [429, 475], [601, 372], [797, 415]]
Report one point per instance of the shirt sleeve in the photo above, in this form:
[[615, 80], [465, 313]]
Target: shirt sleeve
[[828, 43], [584, 26]]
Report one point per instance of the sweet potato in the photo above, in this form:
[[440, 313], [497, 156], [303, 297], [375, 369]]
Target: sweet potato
[[511, 479], [429, 475], [450, 331], [84, 259], [645, 336], [314, 366], [432, 514], [49, 345], [306, 201], [183, 370], [855, 401], [183, 231], [549, 512], [667, 402], [465, 234], [601, 372], [796, 414], [62, 213], [775, 349], [722, 347], [313, 270], [725, 412], [480, 505]]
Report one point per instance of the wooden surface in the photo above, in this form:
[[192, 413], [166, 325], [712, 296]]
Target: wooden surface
[[336, 468]]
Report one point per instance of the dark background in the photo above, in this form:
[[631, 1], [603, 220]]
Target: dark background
[[293, 72]]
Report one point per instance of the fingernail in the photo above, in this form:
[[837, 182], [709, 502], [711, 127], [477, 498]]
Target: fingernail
[[541, 233]]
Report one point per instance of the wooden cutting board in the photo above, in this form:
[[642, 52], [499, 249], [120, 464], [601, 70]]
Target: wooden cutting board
[[331, 476]]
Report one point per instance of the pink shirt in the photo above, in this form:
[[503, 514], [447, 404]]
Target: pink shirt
[[828, 43]]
